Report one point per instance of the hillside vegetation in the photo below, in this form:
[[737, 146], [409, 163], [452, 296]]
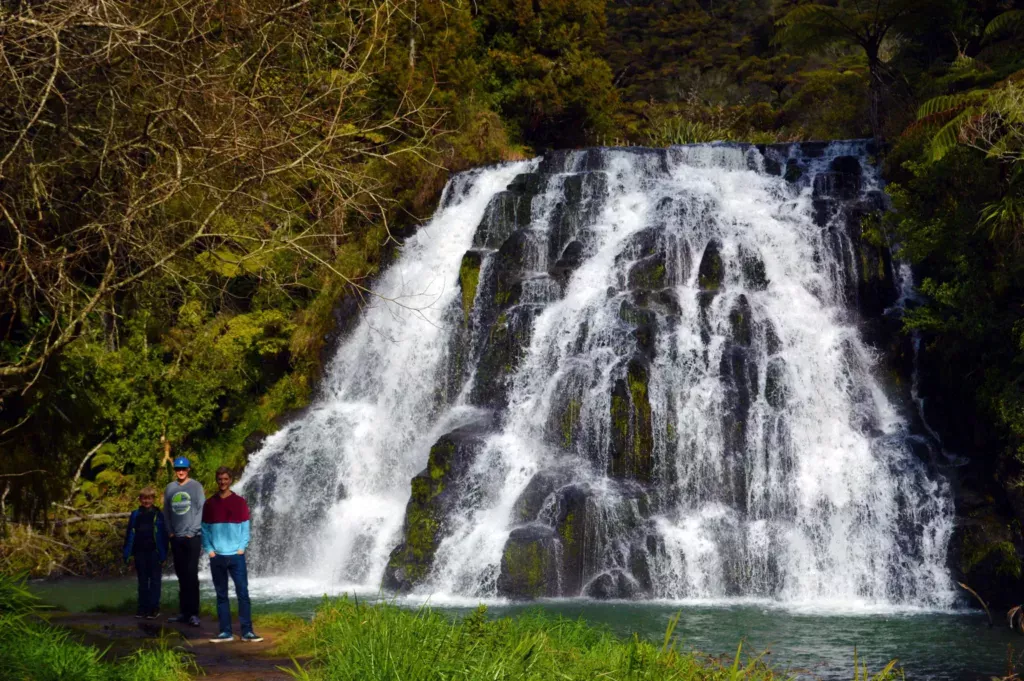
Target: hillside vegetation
[[190, 192]]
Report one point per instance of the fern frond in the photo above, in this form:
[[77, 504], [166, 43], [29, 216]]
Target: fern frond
[[1007, 22], [949, 102], [949, 136]]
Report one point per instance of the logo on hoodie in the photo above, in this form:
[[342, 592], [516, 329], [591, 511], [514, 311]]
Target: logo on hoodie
[[181, 503]]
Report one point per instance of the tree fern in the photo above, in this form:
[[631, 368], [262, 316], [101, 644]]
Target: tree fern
[[1007, 22]]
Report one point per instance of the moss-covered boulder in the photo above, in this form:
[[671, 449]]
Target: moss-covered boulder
[[469, 281], [631, 444], [529, 564], [434, 492], [648, 273], [711, 272]]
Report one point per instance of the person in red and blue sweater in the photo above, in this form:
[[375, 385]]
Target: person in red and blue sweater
[[225, 538], [146, 540]]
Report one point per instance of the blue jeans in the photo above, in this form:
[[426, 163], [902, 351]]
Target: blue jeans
[[221, 567], [147, 569]]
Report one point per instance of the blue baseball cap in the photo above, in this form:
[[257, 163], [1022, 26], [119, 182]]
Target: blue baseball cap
[[182, 462]]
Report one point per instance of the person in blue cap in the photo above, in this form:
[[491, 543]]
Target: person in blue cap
[[183, 513]]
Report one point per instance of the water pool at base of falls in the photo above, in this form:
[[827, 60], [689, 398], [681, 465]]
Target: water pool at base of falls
[[944, 646]]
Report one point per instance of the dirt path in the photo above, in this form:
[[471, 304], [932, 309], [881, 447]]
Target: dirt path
[[235, 661]]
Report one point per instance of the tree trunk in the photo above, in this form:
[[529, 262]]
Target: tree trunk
[[875, 95]]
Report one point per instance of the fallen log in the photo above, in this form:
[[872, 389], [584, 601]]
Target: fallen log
[[94, 516]]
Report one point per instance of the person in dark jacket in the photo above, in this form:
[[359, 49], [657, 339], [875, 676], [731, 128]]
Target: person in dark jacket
[[146, 540]]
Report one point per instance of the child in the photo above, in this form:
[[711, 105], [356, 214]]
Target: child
[[146, 539]]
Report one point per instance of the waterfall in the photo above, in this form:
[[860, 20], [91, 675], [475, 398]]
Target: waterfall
[[620, 373]]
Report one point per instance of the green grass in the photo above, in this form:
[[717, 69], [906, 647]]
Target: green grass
[[31, 650], [349, 641]]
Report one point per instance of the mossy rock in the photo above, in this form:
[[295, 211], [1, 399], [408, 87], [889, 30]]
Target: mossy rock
[[648, 273], [711, 273], [431, 499], [469, 281], [664, 302], [631, 454], [529, 564]]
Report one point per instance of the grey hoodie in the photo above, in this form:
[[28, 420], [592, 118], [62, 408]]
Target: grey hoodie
[[183, 508]]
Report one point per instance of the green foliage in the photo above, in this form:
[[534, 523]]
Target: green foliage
[[350, 640], [33, 650]]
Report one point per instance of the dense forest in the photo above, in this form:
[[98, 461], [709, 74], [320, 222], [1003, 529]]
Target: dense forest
[[193, 194]]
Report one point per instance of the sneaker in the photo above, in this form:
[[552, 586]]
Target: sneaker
[[153, 615], [139, 615], [178, 619], [223, 637], [251, 637], [193, 621]]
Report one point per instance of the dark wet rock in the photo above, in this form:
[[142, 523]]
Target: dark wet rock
[[754, 275], [741, 321], [775, 386], [613, 584], [528, 184], [540, 488], [507, 212], [568, 261], [771, 338], [644, 323], [582, 198], [640, 568], [506, 343], [632, 440], [664, 302], [434, 494], [529, 564], [711, 273], [794, 171], [823, 211], [509, 264], [740, 379], [574, 526], [642, 244], [842, 180]]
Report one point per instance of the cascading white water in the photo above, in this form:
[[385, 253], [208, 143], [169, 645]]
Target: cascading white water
[[687, 410]]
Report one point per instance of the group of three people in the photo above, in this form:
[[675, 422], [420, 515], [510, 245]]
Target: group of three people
[[190, 525]]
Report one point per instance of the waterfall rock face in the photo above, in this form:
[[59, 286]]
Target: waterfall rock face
[[621, 373]]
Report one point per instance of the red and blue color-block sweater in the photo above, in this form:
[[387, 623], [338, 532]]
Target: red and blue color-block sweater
[[225, 525]]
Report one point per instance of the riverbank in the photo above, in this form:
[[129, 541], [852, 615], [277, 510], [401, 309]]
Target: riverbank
[[347, 639]]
